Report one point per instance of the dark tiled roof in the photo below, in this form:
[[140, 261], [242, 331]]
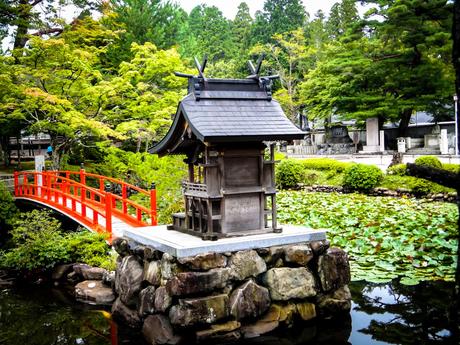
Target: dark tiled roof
[[215, 119], [241, 113]]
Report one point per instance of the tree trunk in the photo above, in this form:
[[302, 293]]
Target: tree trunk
[[404, 123], [456, 63], [20, 38]]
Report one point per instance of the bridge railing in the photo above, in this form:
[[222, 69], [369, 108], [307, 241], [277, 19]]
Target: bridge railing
[[62, 190]]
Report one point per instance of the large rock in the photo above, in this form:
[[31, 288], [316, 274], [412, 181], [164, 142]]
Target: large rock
[[168, 268], [124, 314], [306, 310], [280, 312], [333, 269], [222, 332], [60, 271], [246, 264], [334, 303], [275, 254], [94, 292], [286, 283], [249, 300], [152, 254], [187, 283], [204, 262], [109, 278], [147, 301], [157, 330], [121, 246], [258, 328], [204, 310], [129, 278], [89, 273], [152, 272], [300, 254], [162, 299], [319, 247]]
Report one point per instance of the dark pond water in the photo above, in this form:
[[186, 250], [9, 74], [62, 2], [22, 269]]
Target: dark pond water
[[381, 314]]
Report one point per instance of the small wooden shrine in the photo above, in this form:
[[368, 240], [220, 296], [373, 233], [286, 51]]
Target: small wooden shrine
[[224, 126]]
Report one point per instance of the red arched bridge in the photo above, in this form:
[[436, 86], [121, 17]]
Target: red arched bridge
[[99, 203]]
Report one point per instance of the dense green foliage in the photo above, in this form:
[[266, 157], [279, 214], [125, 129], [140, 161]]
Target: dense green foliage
[[325, 164], [429, 161], [8, 209], [289, 173], [385, 237], [397, 169], [94, 83], [330, 172], [38, 243], [362, 177]]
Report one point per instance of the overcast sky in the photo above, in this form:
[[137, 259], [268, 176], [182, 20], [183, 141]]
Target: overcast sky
[[229, 7]]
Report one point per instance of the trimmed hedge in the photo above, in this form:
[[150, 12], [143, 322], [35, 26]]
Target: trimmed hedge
[[398, 170], [429, 161], [362, 177], [325, 164], [289, 173], [455, 168]]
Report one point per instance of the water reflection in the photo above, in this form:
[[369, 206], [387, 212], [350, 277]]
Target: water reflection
[[398, 314], [382, 314]]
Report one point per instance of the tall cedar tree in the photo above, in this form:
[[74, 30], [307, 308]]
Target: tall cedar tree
[[278, 17], [241, 28], [155, 21], [211, 32]]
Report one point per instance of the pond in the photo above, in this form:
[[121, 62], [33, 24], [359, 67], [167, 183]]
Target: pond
[[381, 314]]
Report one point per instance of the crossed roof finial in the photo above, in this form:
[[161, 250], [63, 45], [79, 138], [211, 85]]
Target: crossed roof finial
[[199, 67]]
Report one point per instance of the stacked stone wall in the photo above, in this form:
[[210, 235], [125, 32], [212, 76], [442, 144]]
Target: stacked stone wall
[[227, 295]]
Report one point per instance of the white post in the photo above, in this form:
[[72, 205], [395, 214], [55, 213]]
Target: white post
[[39, 167], [443, 143], [382, 141], [456, 124]]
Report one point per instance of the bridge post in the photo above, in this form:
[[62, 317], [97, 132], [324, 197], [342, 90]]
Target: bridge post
[[108, 213], [82, 176], [153, 204]]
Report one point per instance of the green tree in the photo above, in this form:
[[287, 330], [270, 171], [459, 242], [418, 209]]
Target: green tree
[[278, 17], [52, 88], [288, 57], [241, 28], [388, 73], [140, 100], [211, 31], [342, 17], [155, 21], [41, 16]]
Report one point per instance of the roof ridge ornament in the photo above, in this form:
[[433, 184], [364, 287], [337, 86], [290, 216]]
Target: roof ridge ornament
[[199, 67], [195, 84], [265, 82]]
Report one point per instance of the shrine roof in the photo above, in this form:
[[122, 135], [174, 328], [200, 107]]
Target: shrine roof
[[224, 111]]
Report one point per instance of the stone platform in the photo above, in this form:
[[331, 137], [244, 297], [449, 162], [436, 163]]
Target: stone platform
[[180, 245], [220, 297]]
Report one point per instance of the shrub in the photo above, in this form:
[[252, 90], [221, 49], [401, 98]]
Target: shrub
[[455, 168], [39, 244], [421, 187], [429, 161], [289, 173], [398, 170], [415, 185], [325, 164], [362, 177], [8, 210]]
